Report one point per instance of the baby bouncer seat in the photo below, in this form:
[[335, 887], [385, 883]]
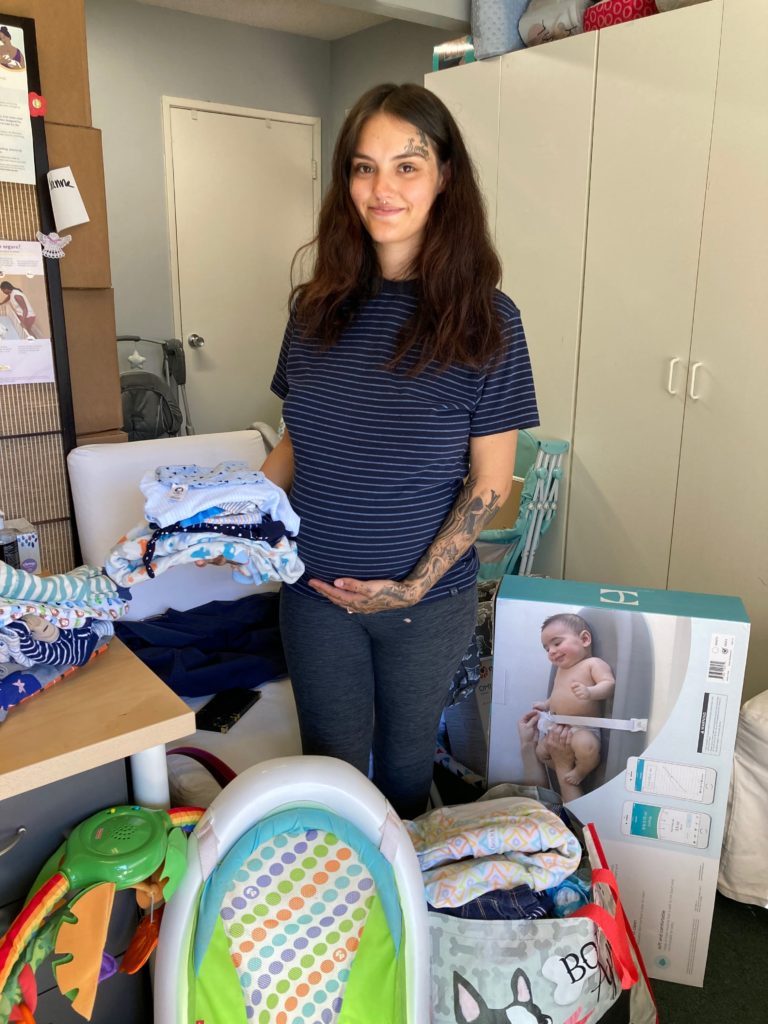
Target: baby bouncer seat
[[511, 551], [302, 903]]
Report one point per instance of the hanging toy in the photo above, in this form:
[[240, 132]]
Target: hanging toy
[[67, 915]]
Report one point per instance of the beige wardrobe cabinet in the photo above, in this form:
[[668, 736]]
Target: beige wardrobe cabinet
[[628, 192], [527, 119]]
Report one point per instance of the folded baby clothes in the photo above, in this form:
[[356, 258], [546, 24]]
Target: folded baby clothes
[[68, 600], [40, 629], [71, 646], [238, 513], [81, 585], [470, 849], [221, 475], [173, 493], [10, 649], [67, 614], [518, 904], [19, 682], [571, 894], [257, 562], [267, 531]]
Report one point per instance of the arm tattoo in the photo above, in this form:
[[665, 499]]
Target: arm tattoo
[[422, 149], [469, 515]]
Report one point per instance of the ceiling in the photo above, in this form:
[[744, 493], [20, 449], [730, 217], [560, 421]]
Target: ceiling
[[313, 18]]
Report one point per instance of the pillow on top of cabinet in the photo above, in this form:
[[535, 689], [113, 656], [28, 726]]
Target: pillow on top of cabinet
[[546, 20], [614, 12], [494, 26]]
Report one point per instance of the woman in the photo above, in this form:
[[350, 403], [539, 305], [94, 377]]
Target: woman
[[21, 306], [405, 377]]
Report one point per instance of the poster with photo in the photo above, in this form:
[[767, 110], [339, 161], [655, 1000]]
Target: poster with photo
[[26, 355], [17, 161]]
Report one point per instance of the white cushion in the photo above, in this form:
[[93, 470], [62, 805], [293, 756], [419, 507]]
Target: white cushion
[[107, 501], [743, 874], [269, 729]]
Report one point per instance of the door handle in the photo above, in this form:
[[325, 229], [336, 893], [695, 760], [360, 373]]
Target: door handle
[[195, 341], [672, 364], [20, 833], [692, 388]]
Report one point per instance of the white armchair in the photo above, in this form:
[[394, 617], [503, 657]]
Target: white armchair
[[107, 501]]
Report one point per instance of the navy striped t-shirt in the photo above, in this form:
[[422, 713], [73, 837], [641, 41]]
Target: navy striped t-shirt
[[380, 457]]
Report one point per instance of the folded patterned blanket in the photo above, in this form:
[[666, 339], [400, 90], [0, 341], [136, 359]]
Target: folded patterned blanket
[[470, 849]]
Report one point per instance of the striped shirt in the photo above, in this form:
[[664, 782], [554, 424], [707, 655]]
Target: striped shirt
[[380, 457]]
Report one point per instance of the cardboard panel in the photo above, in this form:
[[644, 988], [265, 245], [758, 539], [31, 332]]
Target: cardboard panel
[[507, 515], [92, 346], [105, 437], [86, 260], [62, 55]]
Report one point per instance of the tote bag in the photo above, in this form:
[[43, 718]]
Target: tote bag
[[566, 970]]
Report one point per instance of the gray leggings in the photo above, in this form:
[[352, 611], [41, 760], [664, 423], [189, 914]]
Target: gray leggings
[[376, 683]]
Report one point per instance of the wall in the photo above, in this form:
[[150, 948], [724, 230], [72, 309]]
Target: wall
[[138, 54], [396, 51]]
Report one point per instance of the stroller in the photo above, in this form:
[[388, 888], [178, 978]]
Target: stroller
[[150, 396]]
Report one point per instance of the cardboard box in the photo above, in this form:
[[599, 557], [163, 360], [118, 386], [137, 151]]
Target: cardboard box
[[29, 544], [507, 515], [467, 721], [86, 258], [452, 53], [61, 53], [105, 437], [658, 794], [92, 348]]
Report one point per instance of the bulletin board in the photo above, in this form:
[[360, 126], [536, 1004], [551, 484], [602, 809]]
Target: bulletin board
[[37, 427]]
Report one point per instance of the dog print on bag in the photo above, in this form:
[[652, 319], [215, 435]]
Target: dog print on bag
[[470, 1008]]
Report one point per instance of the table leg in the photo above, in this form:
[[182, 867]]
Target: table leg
[[149, 774]]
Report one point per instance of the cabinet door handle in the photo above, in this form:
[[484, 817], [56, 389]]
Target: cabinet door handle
[[672, 364], [692, 389], [20, 833]]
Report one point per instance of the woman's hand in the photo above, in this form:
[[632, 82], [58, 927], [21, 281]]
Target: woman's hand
[[527, 728], [368, 596], [218, 560], [558, 744]]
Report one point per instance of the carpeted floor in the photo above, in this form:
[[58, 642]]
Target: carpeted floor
[[736, 983]]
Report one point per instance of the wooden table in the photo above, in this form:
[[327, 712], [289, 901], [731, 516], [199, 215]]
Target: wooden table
[[112, 708]]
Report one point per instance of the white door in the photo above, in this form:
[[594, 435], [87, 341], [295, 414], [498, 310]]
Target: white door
[[242, 197]]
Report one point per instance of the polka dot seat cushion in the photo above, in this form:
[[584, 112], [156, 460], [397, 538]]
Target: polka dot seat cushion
[[303, 914]]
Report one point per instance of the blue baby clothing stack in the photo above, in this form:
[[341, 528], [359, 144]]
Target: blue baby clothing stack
[[51, 625], [196, 513]]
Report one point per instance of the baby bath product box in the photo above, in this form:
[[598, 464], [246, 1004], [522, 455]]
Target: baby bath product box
[[659, 744]]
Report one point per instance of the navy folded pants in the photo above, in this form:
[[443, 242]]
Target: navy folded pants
[[376, 683]]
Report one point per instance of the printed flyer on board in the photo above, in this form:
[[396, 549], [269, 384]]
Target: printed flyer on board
[[17, 161], [26, 355], [646, 685]]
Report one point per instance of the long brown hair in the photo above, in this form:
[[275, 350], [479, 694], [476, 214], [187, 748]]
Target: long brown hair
[[456, 269]]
